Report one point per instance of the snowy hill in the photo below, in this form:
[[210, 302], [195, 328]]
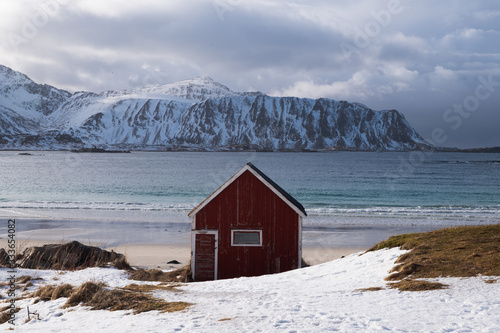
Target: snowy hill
[[194, 114], [321, 298]]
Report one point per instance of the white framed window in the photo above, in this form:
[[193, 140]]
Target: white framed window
[[246, 237]]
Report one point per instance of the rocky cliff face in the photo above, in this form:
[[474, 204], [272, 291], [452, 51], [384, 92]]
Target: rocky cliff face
[[192, 114], [28, 99]]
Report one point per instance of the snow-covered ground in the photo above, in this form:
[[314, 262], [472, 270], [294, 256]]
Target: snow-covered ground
[[315, 299]]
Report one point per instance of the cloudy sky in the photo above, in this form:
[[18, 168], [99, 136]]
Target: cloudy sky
[[438, 62]]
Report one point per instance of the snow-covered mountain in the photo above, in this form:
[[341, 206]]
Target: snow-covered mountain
[[194, 114], [197, 89]]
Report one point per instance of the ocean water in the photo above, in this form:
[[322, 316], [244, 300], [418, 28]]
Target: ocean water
[[336, 188]]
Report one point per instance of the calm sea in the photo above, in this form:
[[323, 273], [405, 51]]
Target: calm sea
[[336, 188]]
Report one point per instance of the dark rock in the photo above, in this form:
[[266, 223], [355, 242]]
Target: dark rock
[[173, 262], [69, 256]]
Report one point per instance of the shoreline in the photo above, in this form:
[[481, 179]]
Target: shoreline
[[158, 255], [154, 244], [239, 149]]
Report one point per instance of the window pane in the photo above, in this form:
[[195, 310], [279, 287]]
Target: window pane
[[246, 237]]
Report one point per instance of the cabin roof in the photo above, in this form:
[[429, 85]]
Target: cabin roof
[[284, 195]]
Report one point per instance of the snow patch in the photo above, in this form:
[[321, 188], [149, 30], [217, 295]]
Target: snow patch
[[320, 298]]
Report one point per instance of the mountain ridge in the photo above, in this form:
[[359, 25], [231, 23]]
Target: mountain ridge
[[195, 114]]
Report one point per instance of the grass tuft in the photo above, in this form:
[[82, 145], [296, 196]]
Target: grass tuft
[[97, 297], [404, 270], [146, 288], [23, 279], [51, 292], [393, 241], [5, 314], [416, 285], [64, 290], [182, 274], [27, 285], [84, 293], [370, 289], [122, 263]]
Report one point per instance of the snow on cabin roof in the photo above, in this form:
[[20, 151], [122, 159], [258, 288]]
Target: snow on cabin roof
[[292, 202]]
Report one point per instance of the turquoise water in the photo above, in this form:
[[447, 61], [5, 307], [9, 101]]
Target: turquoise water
[[335, 188]]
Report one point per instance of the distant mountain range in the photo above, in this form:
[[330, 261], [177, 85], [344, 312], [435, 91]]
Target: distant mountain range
[[196, 114]]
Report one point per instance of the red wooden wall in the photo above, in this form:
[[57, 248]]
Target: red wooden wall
[[247, 203]]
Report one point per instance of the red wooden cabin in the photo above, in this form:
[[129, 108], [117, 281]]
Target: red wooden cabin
[[249, 226]]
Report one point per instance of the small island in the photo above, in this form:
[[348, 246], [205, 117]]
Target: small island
[[94, 149]]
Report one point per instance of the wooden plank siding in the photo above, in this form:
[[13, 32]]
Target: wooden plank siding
[[248, 203], [205, 257]]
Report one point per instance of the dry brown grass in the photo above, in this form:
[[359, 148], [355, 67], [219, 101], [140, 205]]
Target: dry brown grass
[[2, 309], [182, 274], [23, 279], [26, 280], [458, 252], [138, 302], [147, 288], [455, 252], [416, 285], [84, 293], [63, 290], [97, 297], [22, 283], [122, 263], [5, 314], [27, 285], [370, 289], [51, 292]]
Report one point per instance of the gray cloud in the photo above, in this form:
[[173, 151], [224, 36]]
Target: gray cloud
[[421, 57]]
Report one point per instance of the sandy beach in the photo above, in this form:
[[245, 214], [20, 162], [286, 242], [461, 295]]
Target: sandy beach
[[154, 244], [158, 255]]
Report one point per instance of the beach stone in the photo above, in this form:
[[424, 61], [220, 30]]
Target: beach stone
[[173, 262]]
